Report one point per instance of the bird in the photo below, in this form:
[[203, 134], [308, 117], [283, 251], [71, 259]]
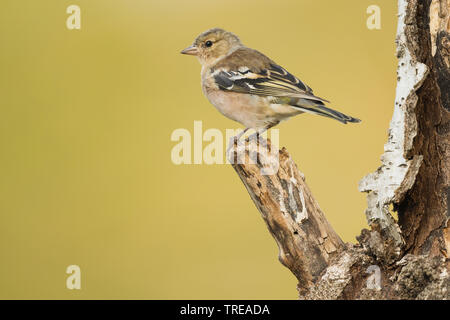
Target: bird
[[248, 87]]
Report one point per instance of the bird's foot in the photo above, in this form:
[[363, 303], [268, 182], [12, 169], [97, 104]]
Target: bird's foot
[[259, 138], [236, 140], [233, 141], [231, 156]]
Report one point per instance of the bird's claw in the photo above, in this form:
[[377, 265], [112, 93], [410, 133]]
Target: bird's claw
[[259, 138], [233, 140]]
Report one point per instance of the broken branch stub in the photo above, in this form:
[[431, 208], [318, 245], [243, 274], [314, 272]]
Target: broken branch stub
[[305, 239]]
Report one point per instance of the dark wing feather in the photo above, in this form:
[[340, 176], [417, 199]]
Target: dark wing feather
[[267, 82], [249, 71], [264, 78]]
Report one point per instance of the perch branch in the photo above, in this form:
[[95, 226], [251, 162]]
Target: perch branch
[[305, 239]]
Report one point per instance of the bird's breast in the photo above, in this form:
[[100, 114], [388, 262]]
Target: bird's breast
[[251, 110]]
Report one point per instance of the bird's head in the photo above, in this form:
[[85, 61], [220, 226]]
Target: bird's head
[[212, 45]]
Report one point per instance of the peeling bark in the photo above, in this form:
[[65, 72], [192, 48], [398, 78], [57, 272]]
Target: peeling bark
[[398, 172], [404, 260], [423, 215]]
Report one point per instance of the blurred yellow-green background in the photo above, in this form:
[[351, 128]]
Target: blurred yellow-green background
[[86, 117]]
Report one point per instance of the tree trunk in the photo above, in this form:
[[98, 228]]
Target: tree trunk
[[407, 259]]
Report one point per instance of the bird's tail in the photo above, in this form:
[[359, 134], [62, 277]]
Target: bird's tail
[[318, 107]]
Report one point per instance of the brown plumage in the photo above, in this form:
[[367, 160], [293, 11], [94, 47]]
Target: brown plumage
[[248, 87]]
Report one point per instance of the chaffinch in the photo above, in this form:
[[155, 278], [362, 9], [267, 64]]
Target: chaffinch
[[248, 87]]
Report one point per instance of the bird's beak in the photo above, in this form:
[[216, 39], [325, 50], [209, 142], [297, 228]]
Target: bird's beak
[[192, 50]]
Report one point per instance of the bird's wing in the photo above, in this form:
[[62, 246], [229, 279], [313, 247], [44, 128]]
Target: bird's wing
[[248, 71]]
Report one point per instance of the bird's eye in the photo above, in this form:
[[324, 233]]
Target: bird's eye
[[208, 43]]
